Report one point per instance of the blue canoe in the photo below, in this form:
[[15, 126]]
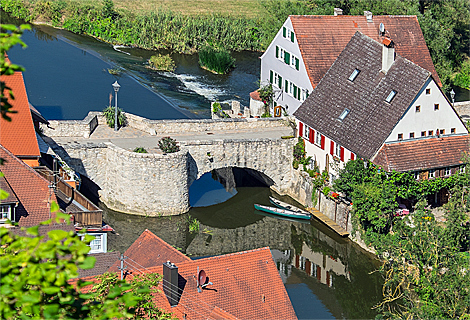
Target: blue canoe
[[283, 212]]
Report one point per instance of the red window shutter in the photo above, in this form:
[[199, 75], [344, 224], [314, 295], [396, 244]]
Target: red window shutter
[[352, 156], [332, 147], [301, 128], [311, 135], [341, 150], [323, 142]]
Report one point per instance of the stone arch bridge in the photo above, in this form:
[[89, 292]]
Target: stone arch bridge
[[158, 184]]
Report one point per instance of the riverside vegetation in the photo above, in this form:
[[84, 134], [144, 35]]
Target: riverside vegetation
[[445, 25]]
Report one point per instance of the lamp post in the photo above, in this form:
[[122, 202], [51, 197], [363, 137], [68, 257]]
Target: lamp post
[[452, 95], [116, 87]]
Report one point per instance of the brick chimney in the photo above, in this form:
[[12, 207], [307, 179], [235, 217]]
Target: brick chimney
[[170, 283], [368, 16], [338, 12], [388, 54]]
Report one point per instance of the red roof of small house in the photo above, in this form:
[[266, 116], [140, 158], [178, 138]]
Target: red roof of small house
[[18, 135], [31, 190], [423, 154], [150, 251], [322, 38], [255, 95]]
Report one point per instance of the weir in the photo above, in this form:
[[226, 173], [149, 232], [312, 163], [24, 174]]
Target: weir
[[157, 184]]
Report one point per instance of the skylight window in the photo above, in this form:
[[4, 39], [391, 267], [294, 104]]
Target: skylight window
[[391, 96], [354, 75], [343, 114]]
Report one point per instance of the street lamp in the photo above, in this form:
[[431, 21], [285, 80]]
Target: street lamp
[[116, 87], [452, 95]]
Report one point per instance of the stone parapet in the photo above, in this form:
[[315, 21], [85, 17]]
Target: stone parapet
[[72, 128]]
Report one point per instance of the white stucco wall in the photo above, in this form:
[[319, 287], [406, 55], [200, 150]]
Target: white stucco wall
[[323, 155], [287, 72], [427, 118]]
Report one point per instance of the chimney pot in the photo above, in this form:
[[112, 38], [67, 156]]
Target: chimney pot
[[338, 12], [368, 16]]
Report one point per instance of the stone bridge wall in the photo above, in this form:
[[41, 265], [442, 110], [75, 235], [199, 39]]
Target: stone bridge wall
[[155, 184]]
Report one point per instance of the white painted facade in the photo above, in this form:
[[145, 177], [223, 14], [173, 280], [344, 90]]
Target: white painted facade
[[286, 78], [328, 154], [430, 111]]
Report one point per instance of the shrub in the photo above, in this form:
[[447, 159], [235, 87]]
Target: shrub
[[162, 63], [140, 150], [109, 115], [216, 107], [168, 145], [216, 59]]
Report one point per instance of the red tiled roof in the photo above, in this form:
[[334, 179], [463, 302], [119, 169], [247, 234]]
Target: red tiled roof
[[18, 136], [322, 38], [423, 154], [151, 251], [246, 284], [30, 188], [255, 95]]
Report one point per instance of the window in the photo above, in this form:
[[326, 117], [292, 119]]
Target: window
[[462, 169], [288, 34], [447, 171], [436, 106], [452, 130], [343, 114], [430, 133], [432, 173], [96, 244], [391, 96], [400, 136], [307, 132], [353, 75], [337, 150], [442, 131], [412, 135], [318, 138], [418, 109], [423, 133], [5, 213], [416, 175], [428, 91]]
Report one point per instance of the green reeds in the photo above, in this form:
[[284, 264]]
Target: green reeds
[[162, 63], [216, 59]]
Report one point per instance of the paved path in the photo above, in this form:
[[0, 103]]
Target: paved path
[[130, 138]]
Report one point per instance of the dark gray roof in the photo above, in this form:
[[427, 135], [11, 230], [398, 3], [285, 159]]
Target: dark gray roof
[[371, 119], [102, 264]]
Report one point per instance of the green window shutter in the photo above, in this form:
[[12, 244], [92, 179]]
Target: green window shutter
[[280, 82], [297, 63], [287, 57], [277, 52], [284, 32], [292, 36], [286, 88], [295, 91], [271, 76], [307, 93]]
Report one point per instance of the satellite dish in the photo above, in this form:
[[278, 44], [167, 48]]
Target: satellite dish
[[382, 28], [202, 277]]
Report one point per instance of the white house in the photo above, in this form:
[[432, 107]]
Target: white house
[[377, 105], [306, 46]]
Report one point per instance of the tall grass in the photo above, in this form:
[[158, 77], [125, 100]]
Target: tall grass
[[161, 29], [217, 60], [162, 62]]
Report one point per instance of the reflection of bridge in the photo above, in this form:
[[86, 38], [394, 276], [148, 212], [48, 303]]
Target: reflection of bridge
[[155, 183]]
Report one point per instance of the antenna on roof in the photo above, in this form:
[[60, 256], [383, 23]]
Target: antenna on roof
[[382, 28]]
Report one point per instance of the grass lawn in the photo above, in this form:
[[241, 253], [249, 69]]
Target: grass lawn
[[246, 8]]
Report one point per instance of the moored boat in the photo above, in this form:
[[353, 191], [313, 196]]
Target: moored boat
[[282, 212], [284, 205]]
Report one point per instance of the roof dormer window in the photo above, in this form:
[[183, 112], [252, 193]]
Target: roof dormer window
[[354, 75], [343, 114], [391, 96]]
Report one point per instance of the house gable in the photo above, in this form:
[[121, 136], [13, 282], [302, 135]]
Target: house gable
[[430, 114]]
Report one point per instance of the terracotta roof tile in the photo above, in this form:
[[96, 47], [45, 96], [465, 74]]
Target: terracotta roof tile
[[11, 195], [151, 251], [322, 38], [19, 136], [103, 262], [370, 119], [255, 95], [30, 188], [423, 154]]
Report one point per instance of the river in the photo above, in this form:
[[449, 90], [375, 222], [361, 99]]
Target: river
[[66, 76]]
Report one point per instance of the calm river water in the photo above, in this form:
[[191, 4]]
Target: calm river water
[[325, 276]]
